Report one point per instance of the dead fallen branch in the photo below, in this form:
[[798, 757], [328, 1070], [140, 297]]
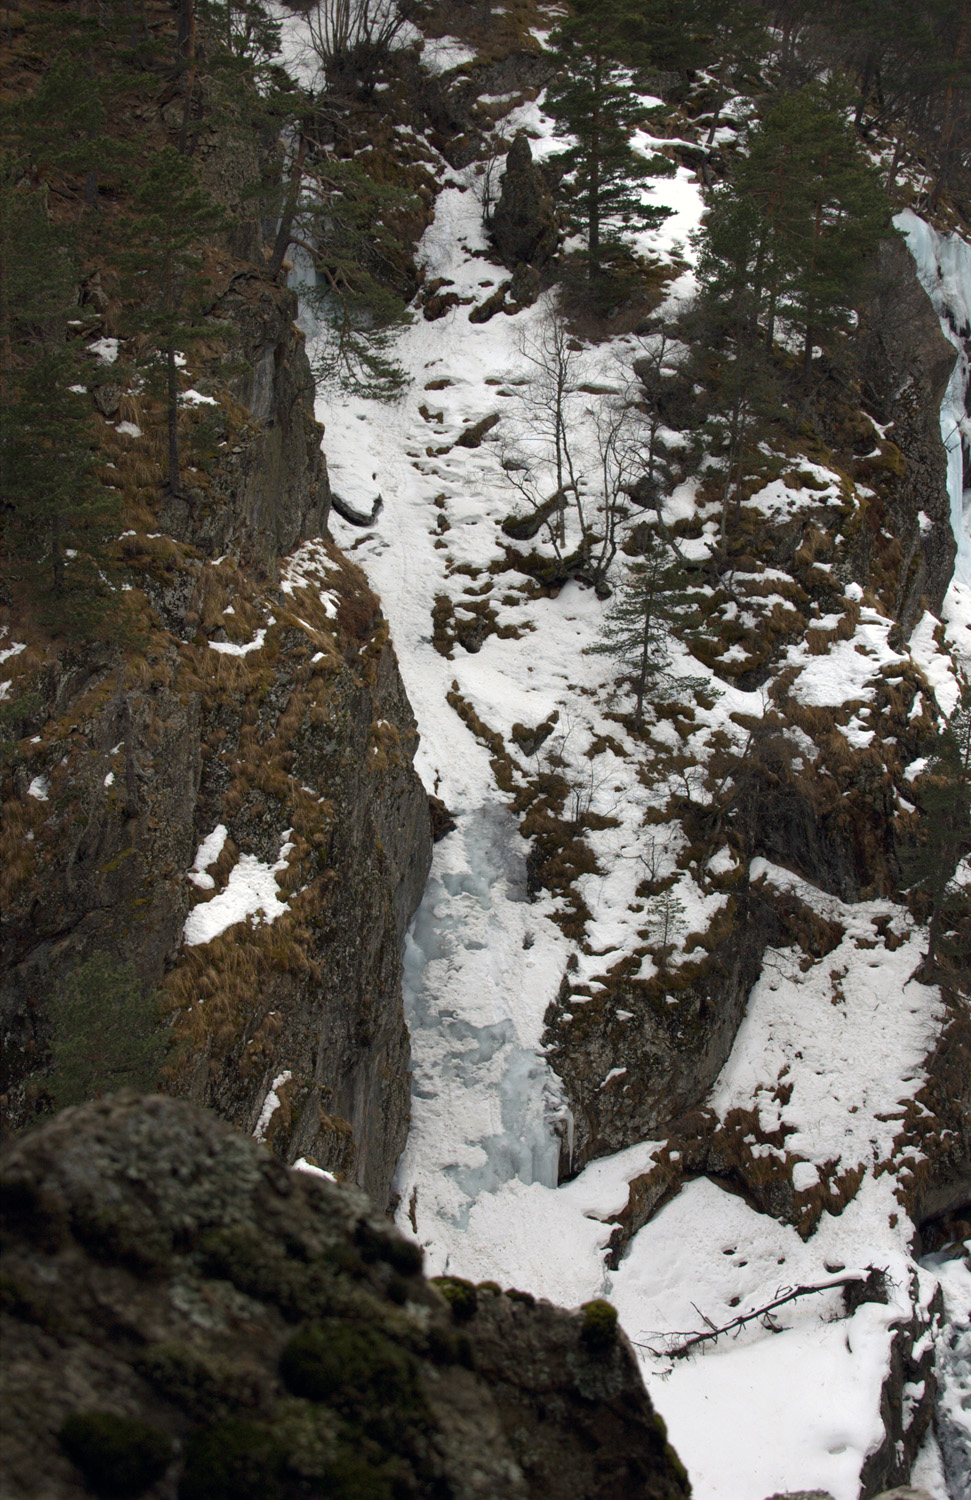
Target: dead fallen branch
[[690, 1341]]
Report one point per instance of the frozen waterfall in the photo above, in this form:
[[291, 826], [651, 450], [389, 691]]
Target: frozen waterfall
[[944, 269], [486, 1108]]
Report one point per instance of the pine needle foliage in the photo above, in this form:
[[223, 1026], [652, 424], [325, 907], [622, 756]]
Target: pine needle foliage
[[649, 601], [788, 239], [56, 516], [593, 98], [346, 224], [666, 921], [106, 1032], [166, 231]]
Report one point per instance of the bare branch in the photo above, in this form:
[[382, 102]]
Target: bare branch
[[690, 1341]]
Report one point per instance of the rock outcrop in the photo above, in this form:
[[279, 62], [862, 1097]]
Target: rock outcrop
[[183, 1316], [261, 698], [523, 224], [276, 491], [905, 364], [833, 818], [673, 1032]]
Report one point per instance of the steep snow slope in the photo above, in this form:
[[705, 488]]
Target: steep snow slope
[[832, 1051]]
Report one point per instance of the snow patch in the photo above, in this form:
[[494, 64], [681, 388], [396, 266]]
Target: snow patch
[[251, 893], [270, 1106], [229, 648], [936, 667], [303, 1165], [207, 854], [106, 350], [847, 670]]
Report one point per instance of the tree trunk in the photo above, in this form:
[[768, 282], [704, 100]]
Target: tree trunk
[[172, 404], [187, 55], [593, 191], [898, 152], [929, 963], [641, 682], [865, 77], [811, 300], [726, 494], [186, 34], [947, 152], [57, 554], [282, 242], [770, 320]]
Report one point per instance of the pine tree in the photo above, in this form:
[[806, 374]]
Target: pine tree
[[675, 35], [827, 221], [56, 517], [690, 36], [911, 65], [239, 30], [346, 223], [637, 624], [729, 354], [166, 282], [666, 921], [790, 237], [593, 99]]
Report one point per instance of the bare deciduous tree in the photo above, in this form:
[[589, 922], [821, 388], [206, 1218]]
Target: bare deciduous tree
[[346, 31], [572, 464]]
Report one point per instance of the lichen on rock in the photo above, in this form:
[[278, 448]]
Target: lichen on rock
[[184, 1316]]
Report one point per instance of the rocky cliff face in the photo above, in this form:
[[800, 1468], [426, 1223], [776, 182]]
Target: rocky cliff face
[[262, 705], [833, 816], [182, 1315], [905, 363], [276, 493]]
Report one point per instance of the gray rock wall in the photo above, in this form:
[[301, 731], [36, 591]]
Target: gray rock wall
[[143, 751], [905, 363], [180, 1308]]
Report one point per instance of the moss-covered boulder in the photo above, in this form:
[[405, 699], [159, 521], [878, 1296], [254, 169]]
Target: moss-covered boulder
[[185, 1319]]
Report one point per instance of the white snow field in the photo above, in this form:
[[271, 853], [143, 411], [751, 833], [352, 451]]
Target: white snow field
[[796, 1406]]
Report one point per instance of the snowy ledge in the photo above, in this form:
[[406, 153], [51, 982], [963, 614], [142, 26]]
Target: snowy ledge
[[251, 893]]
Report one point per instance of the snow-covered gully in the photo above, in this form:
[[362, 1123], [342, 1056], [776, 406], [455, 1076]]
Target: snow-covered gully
[[791, 1405]]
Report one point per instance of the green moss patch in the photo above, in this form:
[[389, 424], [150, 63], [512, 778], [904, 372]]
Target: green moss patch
[[599, 1331], [356, 1369]]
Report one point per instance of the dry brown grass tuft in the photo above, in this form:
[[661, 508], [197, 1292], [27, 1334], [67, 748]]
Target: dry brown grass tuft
[[220, 994], [17, 846]]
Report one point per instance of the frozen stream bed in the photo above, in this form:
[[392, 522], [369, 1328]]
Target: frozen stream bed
[[485, 1107]]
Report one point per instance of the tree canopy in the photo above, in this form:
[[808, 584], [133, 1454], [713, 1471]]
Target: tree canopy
[[594, 99]]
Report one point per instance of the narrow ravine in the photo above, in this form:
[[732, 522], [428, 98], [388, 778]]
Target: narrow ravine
[[477, 1182]]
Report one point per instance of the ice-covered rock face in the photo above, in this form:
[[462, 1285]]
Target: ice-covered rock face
[[485, 1105], [906, 362], [944, 269]]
